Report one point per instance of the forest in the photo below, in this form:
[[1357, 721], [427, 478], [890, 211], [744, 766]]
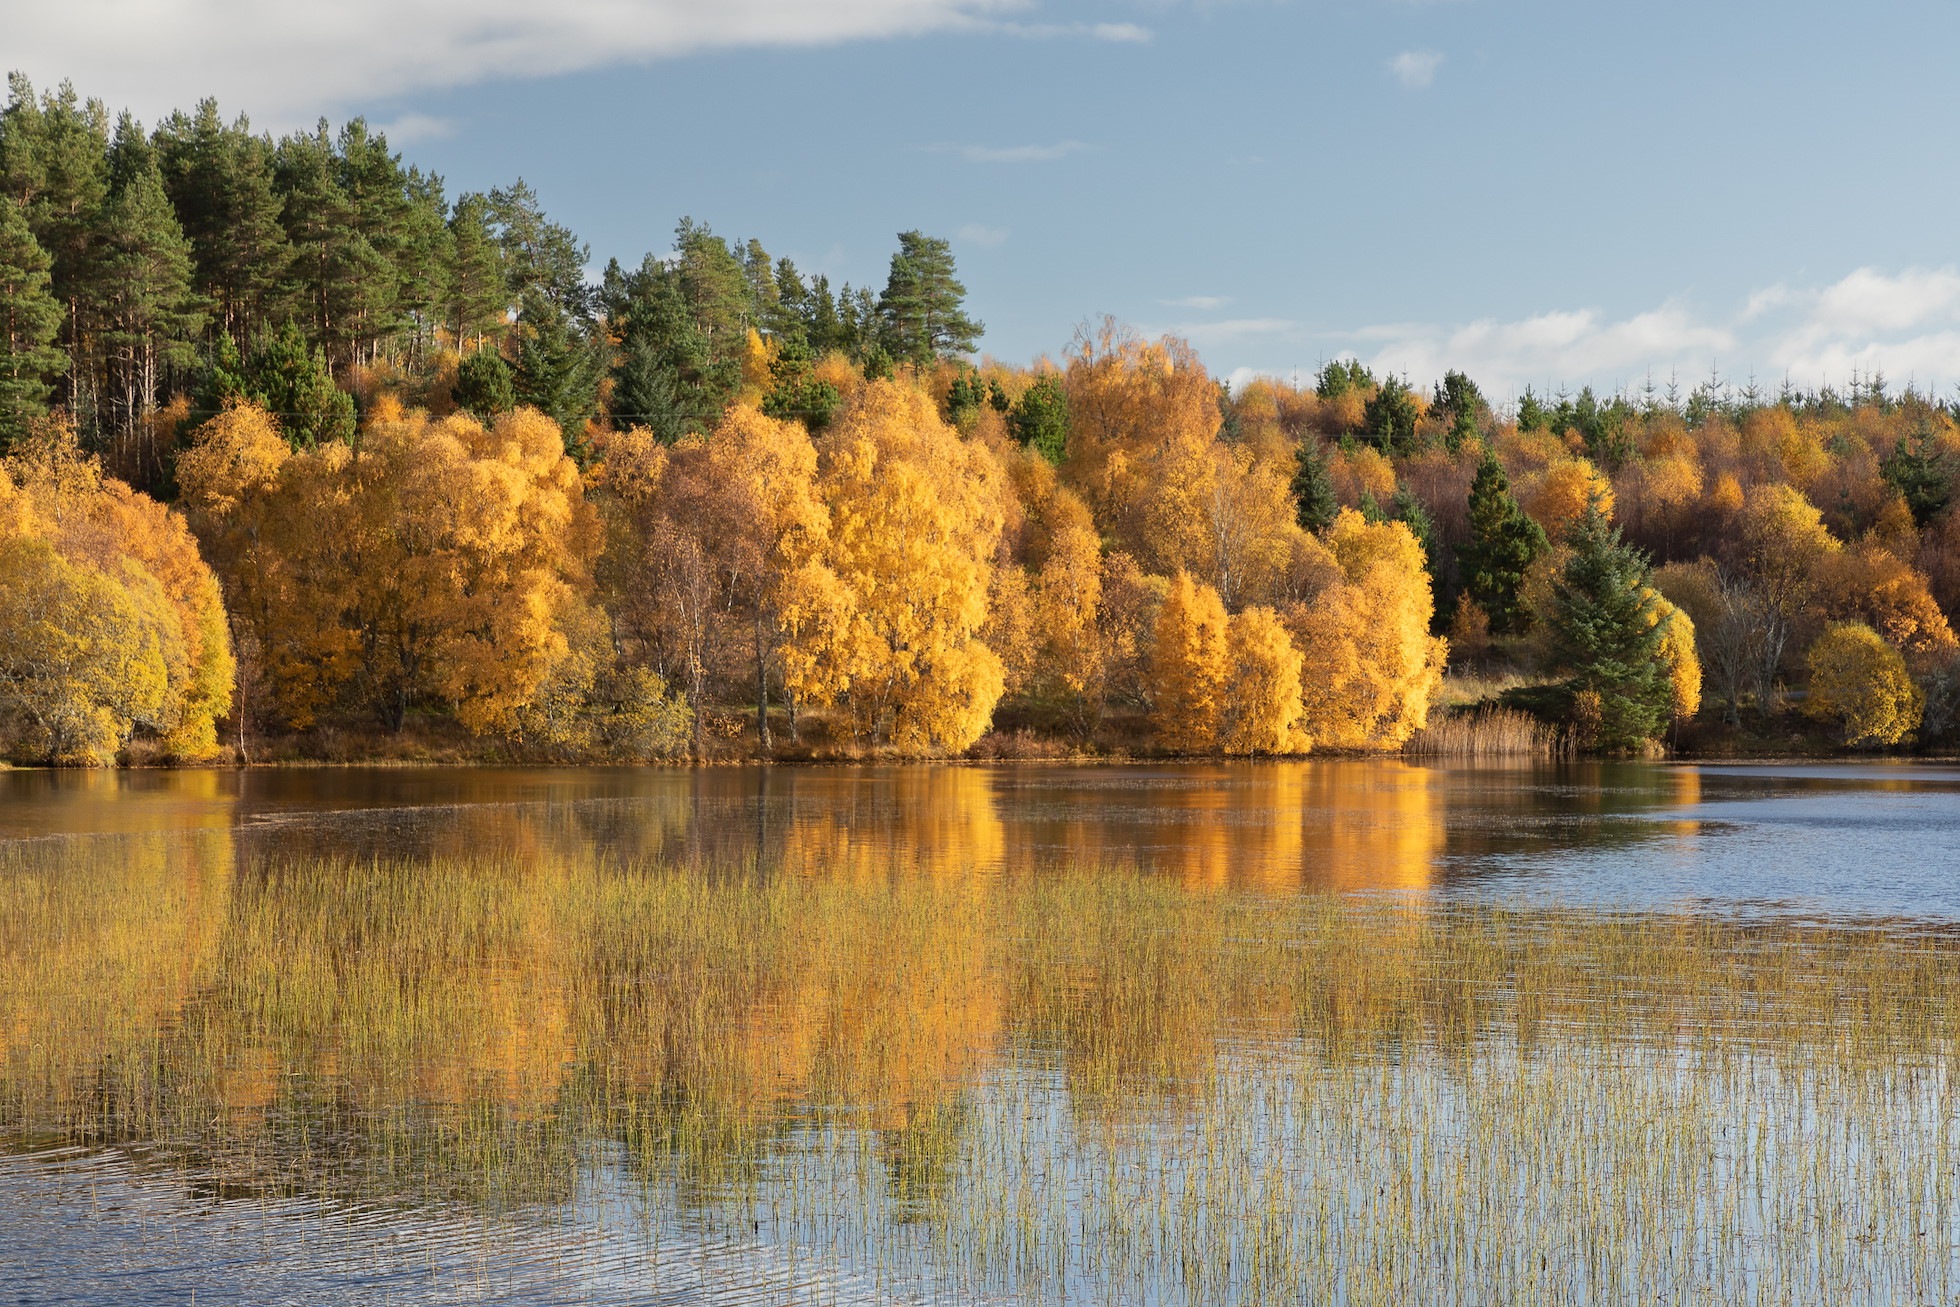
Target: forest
[[301, 457]]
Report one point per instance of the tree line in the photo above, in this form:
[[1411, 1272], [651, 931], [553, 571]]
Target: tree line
[[295, 444]]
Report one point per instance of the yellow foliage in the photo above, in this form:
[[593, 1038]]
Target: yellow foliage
[[1561, 495], [114, 547], [432, 561], [1785, 541], [1860, 681], [1141, 448], [1868, 583], [1362, 471], [84, 656], [1678, 653], [915, 514], [1190, 667], [1263, 709], [1370, 664]]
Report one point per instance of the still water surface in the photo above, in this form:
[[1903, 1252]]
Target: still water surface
[[1863, 840], [920, 1033]]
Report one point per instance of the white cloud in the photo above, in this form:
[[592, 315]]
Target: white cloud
[[986, 238], [1415, 69], [1011, 153], [286, 62], [1121, 33], [1234, 329], [1206, 302], [1905, 324], [412, 127]]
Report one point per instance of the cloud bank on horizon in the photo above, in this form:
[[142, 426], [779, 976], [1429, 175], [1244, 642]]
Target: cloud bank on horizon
[[1904, 326]]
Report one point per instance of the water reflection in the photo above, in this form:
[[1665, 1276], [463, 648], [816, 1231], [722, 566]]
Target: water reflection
[[791, 1003]]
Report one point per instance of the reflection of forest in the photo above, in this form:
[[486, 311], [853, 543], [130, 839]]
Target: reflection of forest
[[380, 1001]]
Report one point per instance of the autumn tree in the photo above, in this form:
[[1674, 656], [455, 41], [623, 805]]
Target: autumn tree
[[430, 566], [1369, 662], [110, 623], [1860, 682], [1190, 668], [1262, 711], [914, 517]]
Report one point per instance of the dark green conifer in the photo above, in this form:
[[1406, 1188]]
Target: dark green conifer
[[1503, 543], [922, 313], [1314, 504], [29, 321], [1039, 419], [484, 385], [558, 369], [1606, 636]]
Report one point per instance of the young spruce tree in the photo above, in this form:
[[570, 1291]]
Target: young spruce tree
[[1609, 634], [1314, 504], [1504, 542]]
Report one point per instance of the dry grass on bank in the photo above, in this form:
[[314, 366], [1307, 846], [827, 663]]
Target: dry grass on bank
[[1487, 733]]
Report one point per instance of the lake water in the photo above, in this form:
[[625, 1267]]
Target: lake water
[[1337, 1031]]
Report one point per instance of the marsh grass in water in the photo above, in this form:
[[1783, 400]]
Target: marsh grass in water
[[1074, 1085]]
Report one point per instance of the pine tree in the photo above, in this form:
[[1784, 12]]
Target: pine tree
[[143, 311], [1408, 510], [1504, 542], [1314, 504], [921, 312], [1039, 419], [53, 155], [558, 370], [1390, 418], [964, 397], [343, 283], [1607, 634], [484, 385], [478, 297], [1921, 470], [798, 394], [668, 375], [539, 255], [219, 179], [422, 260], [29, 321], [291, 382]]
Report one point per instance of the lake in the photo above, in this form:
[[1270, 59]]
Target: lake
[[1345, 1031]]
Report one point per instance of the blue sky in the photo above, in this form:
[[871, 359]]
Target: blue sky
[[1540, 193]]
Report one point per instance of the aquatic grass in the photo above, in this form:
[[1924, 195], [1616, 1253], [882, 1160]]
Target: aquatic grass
[[1081, 1083]]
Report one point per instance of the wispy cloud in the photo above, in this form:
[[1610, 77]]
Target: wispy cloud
[[411, 127], [1010, 153], [1204, 302], [1415, 69], [986, 238], [1234, 329], [1121, 33], [154, 55]]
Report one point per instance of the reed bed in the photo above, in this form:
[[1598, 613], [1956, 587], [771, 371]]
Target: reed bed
[[1488, 733], [1084, 1085]]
